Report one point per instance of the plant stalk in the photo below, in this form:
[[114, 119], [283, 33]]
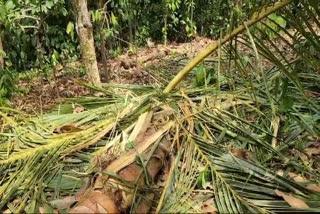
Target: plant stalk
[[201, 56]]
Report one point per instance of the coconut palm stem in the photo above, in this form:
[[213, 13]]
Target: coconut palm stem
[[193, 63]]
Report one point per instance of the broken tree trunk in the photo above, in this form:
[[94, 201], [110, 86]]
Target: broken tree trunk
[[124, 182], [84, 29]]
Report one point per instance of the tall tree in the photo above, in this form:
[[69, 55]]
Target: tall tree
[[1, 53], [84, 29]]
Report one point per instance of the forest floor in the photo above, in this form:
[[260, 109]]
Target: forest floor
[[157, 65], [154, 64]]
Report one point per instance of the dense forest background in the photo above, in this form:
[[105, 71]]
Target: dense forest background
[[38, 33]]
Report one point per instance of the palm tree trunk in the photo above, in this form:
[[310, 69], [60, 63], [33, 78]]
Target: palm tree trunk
[[88, 54], [1, 54], [105, 70]]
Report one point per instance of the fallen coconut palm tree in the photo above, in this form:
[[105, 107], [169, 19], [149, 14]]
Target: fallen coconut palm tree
[[236, 148]]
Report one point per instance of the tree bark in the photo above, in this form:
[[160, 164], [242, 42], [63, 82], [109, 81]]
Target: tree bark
[[105, 72], [85, 34], [1, 52]]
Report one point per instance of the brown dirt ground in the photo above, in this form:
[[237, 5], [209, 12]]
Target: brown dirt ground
[[41, 94]]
